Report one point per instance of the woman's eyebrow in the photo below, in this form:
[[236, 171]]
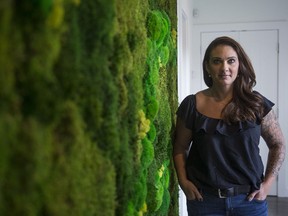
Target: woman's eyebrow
[[219, 58]]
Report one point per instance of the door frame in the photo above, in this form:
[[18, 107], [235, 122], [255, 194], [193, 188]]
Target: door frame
[[197, 80], [184, 55]]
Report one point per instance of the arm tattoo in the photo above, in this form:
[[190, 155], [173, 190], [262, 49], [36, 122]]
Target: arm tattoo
[[272, 134]]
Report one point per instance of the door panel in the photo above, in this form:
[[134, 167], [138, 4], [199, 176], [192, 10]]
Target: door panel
[[261, 47]]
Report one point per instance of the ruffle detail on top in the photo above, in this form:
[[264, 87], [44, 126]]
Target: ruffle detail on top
[[196, 121], [212, 126]]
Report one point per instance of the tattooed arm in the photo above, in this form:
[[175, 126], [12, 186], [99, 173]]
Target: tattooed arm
[[272, 134]]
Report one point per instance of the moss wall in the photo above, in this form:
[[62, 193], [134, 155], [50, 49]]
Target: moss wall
[[88, 96]]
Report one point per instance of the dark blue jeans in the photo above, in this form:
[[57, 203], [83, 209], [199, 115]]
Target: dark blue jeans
[[232, 206]]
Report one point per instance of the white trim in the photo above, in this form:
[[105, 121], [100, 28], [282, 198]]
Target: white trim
[[184, 14]]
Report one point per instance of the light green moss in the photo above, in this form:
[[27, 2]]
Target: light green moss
[[75, 76]]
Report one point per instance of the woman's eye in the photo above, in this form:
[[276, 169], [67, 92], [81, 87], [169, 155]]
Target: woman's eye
[[230, 61], [216, 61]]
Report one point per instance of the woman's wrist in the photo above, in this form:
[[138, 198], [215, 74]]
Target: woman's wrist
[[183, 182]]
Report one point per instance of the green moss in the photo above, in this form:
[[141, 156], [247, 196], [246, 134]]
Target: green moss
[[152, 133], [148, 153], [166, 177], [7, 59], [164, 55], [160, 59], [155, 194], [141, 191], [144, 125], [162, 211], [157, 26], [152, 108], [75, 76]]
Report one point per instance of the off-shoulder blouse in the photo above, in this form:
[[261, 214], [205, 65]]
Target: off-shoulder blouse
[[222, 155]]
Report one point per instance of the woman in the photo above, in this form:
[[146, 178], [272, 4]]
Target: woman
[[223, 173]]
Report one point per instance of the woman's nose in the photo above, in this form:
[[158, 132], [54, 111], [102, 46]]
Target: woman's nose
[[225, 66]]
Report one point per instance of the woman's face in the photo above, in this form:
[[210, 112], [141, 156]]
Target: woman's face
[[223, 65]]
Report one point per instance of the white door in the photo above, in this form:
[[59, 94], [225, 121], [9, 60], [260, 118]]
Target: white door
[[262, 48]]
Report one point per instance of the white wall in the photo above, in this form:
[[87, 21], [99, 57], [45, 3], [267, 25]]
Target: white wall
[[185, 19], [234, 11]]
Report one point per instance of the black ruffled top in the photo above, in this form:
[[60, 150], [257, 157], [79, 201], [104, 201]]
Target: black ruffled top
[[222, 155]]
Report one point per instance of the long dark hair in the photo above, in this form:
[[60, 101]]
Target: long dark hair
[[245, 104]]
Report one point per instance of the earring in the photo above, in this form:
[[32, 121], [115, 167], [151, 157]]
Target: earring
[[209, 75]]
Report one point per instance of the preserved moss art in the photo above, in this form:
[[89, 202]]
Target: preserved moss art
[[88, 99], [160, 46]]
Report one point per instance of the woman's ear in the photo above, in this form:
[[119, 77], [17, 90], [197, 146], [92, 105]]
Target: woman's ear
[[207, 67]]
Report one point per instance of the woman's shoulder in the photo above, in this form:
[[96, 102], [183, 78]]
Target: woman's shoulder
[[190, 100], [186, 110], [203, 92], [265, 99], [202, 96], [267, 103]]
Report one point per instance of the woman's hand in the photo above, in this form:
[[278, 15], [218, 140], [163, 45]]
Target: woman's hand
[[191, 191], [260, 194], [183, 138]]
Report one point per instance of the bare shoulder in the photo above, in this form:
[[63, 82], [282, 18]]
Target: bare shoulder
[[202, 95], [200, 98]]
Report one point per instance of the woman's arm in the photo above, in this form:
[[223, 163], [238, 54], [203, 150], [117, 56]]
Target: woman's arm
[[273, 136], [183, 137]]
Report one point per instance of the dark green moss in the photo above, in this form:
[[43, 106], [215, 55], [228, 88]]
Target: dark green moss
[[160, 58], [75, 76]]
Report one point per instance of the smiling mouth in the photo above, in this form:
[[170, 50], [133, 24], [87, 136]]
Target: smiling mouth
[[224, 76]]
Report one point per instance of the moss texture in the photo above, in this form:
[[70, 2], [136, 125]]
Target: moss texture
[[88, 96]]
